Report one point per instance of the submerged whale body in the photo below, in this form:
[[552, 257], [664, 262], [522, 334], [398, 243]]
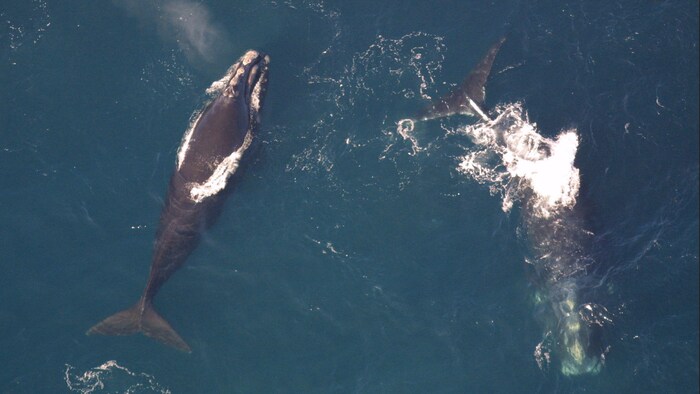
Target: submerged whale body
[[208, 155], [540, 173]]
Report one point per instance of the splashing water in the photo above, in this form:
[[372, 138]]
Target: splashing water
[[514, 159], [521, 166], [112, 378]]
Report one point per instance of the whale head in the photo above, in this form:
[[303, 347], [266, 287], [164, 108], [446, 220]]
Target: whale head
[[581, 351], [247, 81], [579, 339]]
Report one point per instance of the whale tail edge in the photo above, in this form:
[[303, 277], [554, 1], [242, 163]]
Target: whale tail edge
[[468, 98], [143, 318]]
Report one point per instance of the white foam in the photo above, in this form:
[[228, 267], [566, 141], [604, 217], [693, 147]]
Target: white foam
[[515, 160], [405, 127], [551, 176], [217, 181], [218, 86], [256, 95], [219, 178], [185, 144], [111, 377]]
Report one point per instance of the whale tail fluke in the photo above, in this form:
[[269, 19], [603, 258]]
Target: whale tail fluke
[[468, 97], [140, 318], [474, 86]]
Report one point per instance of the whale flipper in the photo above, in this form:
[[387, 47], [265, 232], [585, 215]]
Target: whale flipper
[[140, 318], [468, 97]]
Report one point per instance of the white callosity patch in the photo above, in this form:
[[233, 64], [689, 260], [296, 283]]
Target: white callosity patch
[[255, 99], [235, 81], [233, 76], [217, 181]]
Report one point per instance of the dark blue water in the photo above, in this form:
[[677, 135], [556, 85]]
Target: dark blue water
[[346, 260]]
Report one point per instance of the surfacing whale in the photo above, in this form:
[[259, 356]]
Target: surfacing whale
[[209, 154], [552, 225]]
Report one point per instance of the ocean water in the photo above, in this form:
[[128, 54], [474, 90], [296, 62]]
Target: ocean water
[[359, 251]]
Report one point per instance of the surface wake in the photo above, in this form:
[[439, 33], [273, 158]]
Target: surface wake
[[112, 378]]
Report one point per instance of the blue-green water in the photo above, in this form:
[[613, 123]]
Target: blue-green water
[[346, 259]]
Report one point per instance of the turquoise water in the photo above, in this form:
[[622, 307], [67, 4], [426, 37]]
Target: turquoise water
[[347, 258]]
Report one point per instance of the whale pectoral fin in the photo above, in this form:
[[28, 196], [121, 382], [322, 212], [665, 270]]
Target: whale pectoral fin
[[140, 318]]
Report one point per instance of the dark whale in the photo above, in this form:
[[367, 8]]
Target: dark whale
[[208, 155], [469, 96]]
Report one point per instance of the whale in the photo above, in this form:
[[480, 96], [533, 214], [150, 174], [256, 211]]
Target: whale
[[210, 152], [468, 97], [556, 239]]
